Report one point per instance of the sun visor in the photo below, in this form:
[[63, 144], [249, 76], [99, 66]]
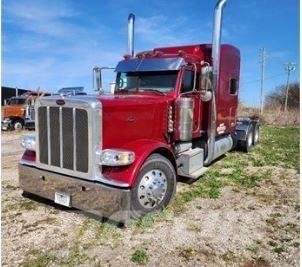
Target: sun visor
[[150, 64]]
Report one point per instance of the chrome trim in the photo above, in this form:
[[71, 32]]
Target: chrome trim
[[61, 138], [131, 20], [93, 107], [27, 162], [216, 41], [48, 135], [92, 197]]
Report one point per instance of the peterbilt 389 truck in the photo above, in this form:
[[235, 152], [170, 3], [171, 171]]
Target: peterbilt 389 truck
[[173, 112]]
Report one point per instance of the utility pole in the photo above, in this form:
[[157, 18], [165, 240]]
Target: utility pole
[[262, 66], [288, 67]]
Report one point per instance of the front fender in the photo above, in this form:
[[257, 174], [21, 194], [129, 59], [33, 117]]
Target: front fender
[[142, 149]]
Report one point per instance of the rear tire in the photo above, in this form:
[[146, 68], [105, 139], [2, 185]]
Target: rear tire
[[155, 186], [256, 135], [248, 143]]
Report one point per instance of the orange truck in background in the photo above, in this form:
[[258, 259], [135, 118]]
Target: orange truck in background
[[14, 111]]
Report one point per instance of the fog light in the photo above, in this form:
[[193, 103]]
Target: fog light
[[115, 157], [28, 142]]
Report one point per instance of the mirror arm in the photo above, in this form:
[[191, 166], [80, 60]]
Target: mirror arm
[[97, 77]]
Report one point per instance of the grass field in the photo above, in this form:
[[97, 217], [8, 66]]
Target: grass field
[[279, 147], [243, 211]]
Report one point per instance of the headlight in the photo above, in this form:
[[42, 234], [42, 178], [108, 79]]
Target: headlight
[[115, 157], [28, 142]]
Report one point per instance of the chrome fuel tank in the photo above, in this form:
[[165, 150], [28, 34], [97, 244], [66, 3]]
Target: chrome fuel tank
[[185, 106]]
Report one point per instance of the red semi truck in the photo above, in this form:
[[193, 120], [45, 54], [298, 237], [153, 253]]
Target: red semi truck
[[173, 112]]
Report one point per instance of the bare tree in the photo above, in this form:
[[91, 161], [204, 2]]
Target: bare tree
[[276, 98]]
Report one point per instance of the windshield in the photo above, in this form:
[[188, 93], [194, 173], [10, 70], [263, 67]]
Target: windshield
[[16, 101], [162, 81]]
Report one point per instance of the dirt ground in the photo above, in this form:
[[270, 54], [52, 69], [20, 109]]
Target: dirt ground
[[243, 226]]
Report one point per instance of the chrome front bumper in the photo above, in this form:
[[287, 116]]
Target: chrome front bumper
[[5, 125], [95, 198]]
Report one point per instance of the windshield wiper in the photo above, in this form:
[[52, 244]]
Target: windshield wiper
[[152, 90]]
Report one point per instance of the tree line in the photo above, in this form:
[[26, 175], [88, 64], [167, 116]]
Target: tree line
[[276, 98]]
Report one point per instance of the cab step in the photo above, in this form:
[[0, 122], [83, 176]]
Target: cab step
[[190, 163], [195, 175]]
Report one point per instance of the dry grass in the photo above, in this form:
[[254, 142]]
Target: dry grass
[[273, 115]]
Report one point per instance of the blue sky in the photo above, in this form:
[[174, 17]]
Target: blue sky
[[56, 43]]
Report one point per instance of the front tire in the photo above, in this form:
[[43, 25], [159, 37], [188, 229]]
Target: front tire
[[17, 125], [155, 186]]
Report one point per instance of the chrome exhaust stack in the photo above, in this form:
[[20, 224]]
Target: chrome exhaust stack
[[131, 20], [216, 41]]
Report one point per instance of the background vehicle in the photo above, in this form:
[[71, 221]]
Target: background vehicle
[[17, 109], [173, 112], [13, 113]]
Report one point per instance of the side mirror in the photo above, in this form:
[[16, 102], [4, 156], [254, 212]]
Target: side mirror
[[97, 78], [206, 78], [206, 83]]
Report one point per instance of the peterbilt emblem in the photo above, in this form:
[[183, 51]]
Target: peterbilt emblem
[[60, 102]]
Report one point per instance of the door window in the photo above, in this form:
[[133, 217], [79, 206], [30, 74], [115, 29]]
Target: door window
[[187, 81]]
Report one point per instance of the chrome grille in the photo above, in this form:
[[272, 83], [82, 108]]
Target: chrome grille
[[67, 138], [63, 137], [43, 133], [54, 123], [81, 140]]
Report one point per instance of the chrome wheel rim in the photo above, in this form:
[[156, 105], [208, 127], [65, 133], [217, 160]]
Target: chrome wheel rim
[[256, 136], [152, 188], [250, 140], [18, 126]]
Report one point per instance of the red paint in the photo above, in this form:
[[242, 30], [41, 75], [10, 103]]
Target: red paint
[[29, 155]]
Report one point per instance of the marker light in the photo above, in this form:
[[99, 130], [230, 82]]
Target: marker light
[[116, 157], [28, 142]]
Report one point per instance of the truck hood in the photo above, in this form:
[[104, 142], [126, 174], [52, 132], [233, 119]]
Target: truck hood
[[131, 99], [127, 118], [14, 110]]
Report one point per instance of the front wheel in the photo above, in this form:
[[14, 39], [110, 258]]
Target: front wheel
[[155, 186], [17, 125]]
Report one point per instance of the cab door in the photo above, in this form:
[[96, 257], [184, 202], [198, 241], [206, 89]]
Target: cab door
[[187, 90]]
